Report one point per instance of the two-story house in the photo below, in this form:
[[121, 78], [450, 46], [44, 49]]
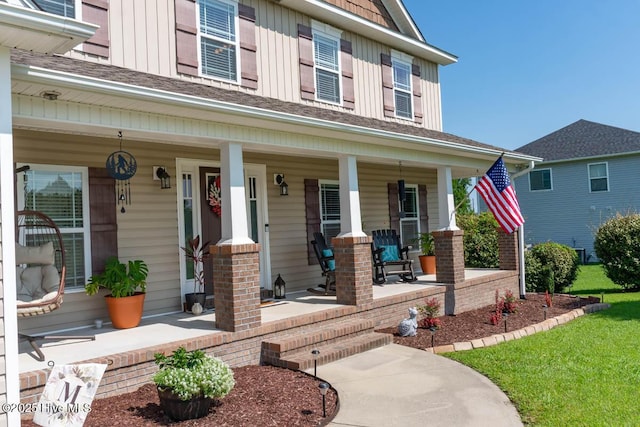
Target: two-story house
[[587, 177], [271, 119]]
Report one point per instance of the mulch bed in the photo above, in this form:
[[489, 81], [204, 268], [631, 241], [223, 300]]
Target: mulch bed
[[270, 396]]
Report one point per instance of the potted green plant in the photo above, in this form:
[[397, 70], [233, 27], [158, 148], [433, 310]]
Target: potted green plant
[[127, 285], [196, 254], [428, 253], [188, 381]]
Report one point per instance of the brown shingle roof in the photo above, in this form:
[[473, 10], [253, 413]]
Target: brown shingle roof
[[583, 139], [127, 76]]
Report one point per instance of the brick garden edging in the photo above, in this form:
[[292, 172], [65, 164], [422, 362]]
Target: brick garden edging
[[517, 334]]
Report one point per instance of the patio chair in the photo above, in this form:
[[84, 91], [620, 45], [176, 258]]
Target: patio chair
[[387, 252], [40, 272], [327, 263]]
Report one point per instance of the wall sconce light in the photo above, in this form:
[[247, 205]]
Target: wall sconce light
[[160, 174], [278, 179]]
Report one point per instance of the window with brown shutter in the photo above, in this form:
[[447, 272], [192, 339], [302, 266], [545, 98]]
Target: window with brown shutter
[[186, 37], [417, 93], [387, 86], [346, 57], [305, 55]]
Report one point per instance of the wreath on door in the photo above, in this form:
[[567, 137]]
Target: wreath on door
[[213, 195]]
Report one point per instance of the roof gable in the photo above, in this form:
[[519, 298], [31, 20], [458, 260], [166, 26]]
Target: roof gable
[[583, 139]]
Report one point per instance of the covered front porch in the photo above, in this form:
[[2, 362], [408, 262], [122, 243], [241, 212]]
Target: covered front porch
[[129, 352]]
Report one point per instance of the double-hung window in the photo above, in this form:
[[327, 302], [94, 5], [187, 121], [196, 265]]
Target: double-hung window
[[67, 8], [329, 209], [540, 180], [326, 55], [402, 92], [410, 218], [598, 177], [62, 193], [219, 39]]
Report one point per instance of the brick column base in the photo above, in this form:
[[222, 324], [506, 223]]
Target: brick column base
[[236, 290], [354, 280], [508, 250], [449, 256]]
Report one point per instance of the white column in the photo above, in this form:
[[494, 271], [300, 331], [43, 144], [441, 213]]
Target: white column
[[350, 216], [7, 212], [446, 203], [235, 229]]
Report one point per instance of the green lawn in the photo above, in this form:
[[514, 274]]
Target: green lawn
[[584, 373]]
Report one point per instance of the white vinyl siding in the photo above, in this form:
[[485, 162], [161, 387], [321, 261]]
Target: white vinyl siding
[[540, 180], [62, 193], [218, 26], [66, 8], [410, 216], [598, 177], [329, 209], [326, 53]]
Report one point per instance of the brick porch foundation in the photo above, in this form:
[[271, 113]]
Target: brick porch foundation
[[236, 274], [353, 270], [449, 256]]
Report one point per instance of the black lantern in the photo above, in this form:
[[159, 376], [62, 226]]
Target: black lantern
[[279, 288], [284, 188], [165, 178]]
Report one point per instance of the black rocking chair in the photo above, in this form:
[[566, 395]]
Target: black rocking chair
[[386, 251], [327, 263]]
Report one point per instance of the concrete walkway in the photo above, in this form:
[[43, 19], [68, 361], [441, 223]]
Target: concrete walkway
[[401, 386]]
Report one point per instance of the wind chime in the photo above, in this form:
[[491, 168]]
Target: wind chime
[[122, 166]]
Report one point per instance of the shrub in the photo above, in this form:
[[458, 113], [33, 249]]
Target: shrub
[[480, 239], [430, 310], [194, 373], [550, 267], [617, 244]]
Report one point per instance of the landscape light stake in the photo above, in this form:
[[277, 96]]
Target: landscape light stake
[[601, 296], [433, 334], [315, 353], [544, 310], [505, 315], [324, 387]]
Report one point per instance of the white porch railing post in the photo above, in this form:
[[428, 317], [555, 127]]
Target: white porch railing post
[[235, 229], [10, 319], [446, 203], [350, 215]]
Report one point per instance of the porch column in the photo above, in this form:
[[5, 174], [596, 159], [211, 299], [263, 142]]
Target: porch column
[[446, 203], [351, 248], [508, 250], [236, 258], [9, 318], [354, 285], [449, 256], [350, 216], [235, 230]]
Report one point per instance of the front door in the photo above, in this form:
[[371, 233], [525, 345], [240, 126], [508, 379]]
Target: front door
[[210, 219]]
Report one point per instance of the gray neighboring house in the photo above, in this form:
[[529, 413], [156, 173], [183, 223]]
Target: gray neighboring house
[[590, 172]]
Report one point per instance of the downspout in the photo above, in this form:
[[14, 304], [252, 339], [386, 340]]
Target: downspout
[[521, 234]]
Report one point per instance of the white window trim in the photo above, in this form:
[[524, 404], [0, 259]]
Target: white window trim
[[606, 164], [86, 229], [398, 57], [417, 218], [329, 32], [322, 182], [237, 43], [550, 180]]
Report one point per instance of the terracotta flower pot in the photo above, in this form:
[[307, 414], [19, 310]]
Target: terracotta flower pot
[[428, 264], [125, 312], [180, 410]]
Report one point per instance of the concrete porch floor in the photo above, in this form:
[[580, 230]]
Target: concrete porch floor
[[166, 328]]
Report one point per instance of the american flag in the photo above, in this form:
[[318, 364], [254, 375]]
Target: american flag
[[497, 192]]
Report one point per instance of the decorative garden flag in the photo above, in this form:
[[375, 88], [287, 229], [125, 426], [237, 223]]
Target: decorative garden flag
[[67, 396], [497, 192]]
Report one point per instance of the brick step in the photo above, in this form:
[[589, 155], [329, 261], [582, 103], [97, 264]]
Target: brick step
[[280, 347], [336, 350]]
